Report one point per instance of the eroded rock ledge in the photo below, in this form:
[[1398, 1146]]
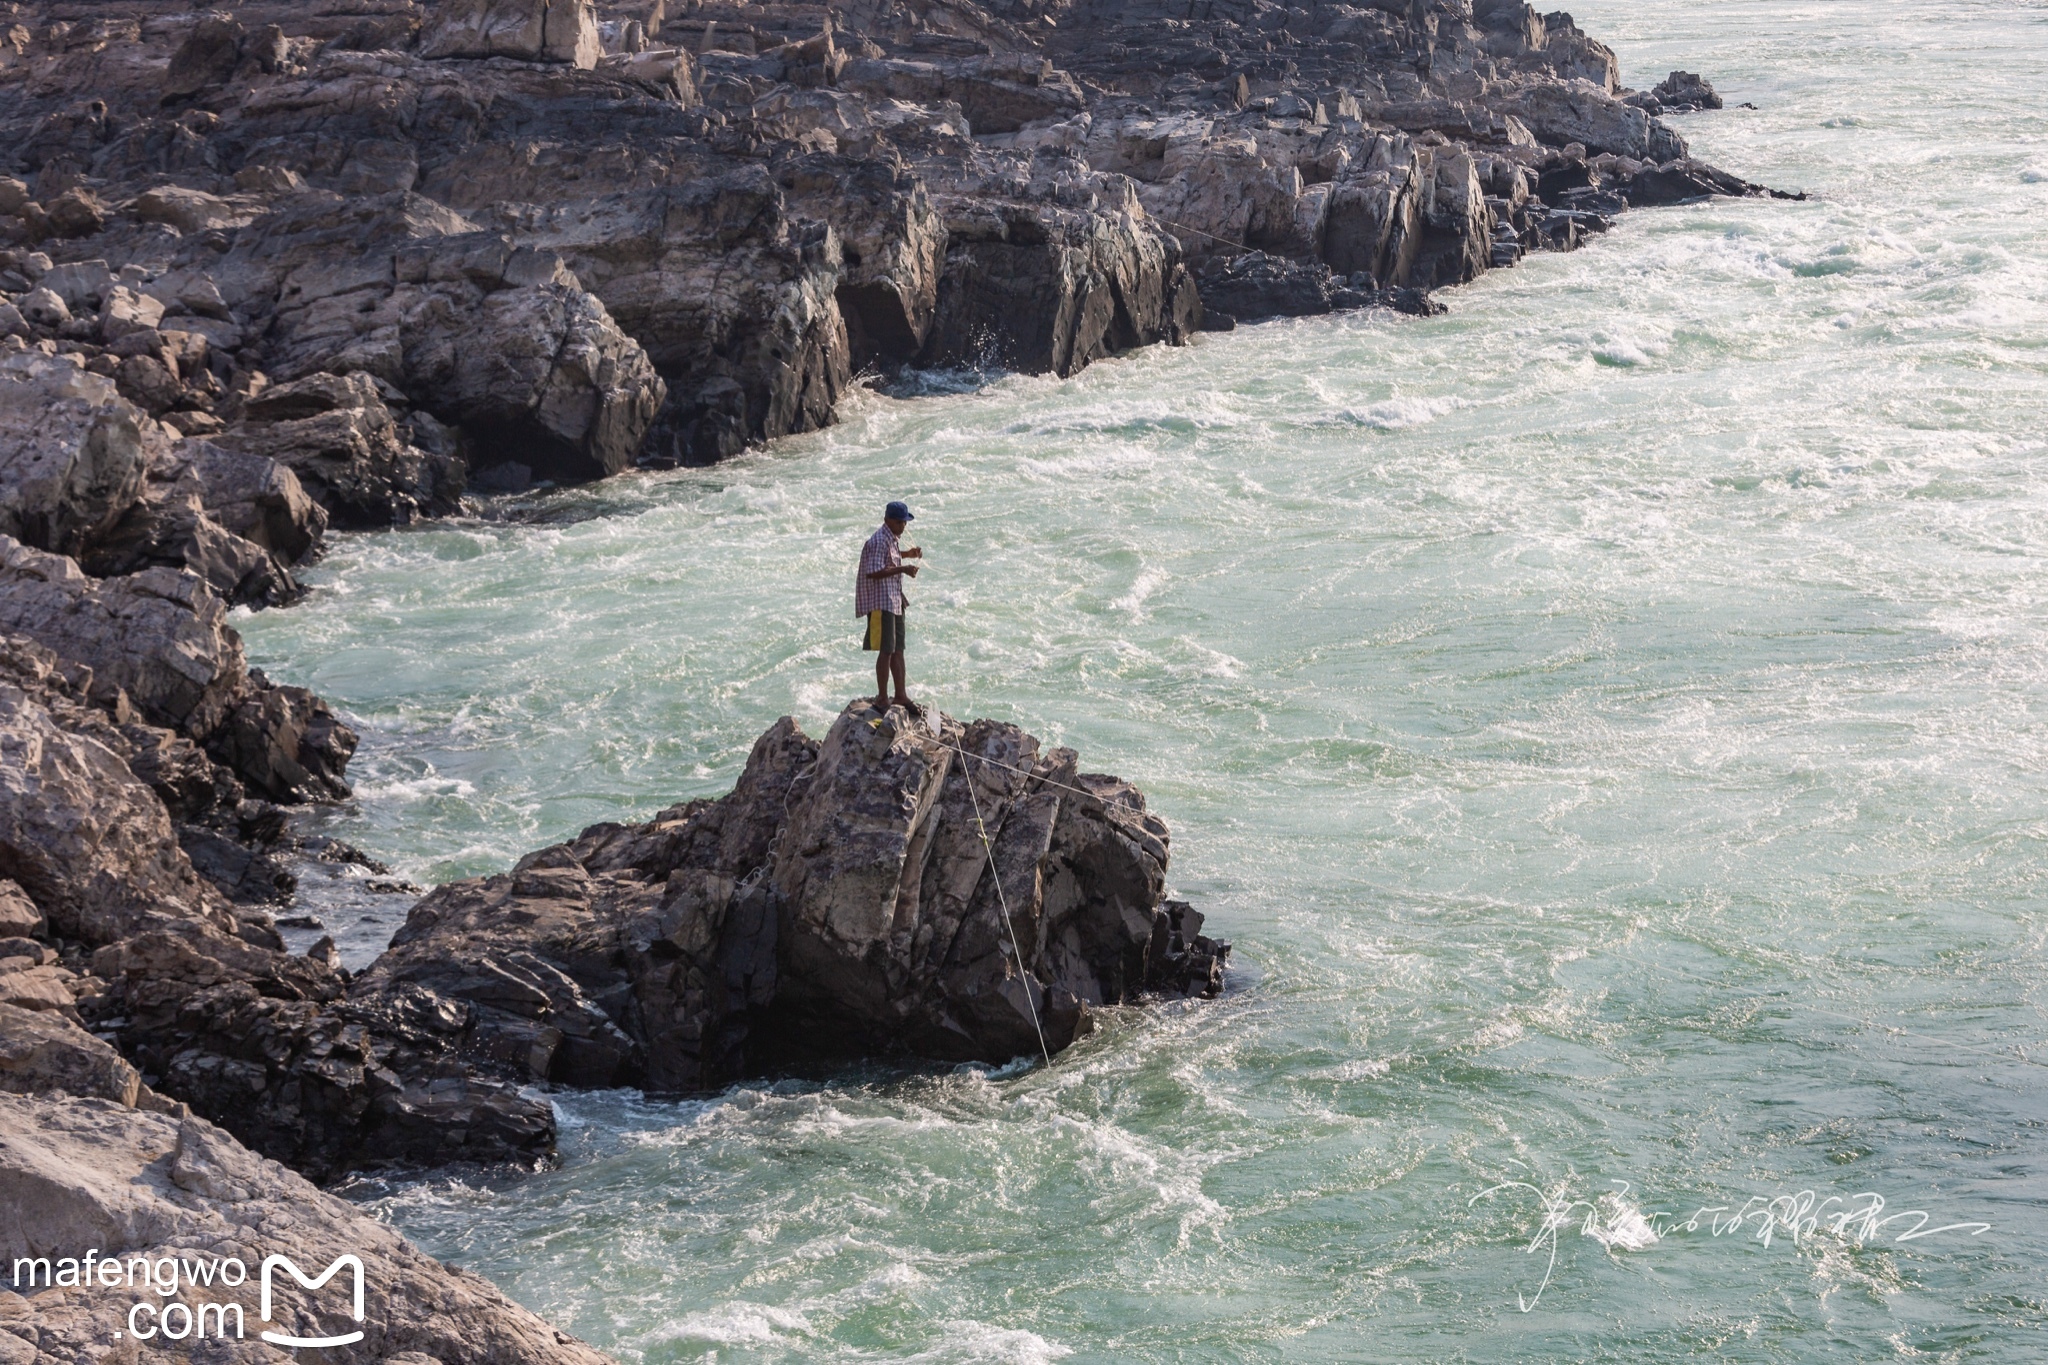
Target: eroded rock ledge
[[551, 238]]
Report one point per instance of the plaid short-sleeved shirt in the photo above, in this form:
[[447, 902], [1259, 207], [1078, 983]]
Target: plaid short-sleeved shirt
[[879, 594]]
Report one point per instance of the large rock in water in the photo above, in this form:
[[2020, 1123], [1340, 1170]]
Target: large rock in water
[[838, 901], [92, 1173]]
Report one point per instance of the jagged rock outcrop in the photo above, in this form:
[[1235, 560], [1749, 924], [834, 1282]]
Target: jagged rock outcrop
[[78, 1173], [42, 1052], [85, 472], [528, 30], [837, 902], [71, 453], [97, 809], [161, 637], [343, 445], [237, 520], [88, 840], [1076, 287], [497, 339], [1684, 92]]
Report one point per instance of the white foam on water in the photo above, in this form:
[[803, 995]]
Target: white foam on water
[[732, 1324], [1560, 703], [969, 1341], [1399, 414]]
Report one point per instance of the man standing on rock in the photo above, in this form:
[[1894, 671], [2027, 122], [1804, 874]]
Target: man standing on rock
[[878, 599]]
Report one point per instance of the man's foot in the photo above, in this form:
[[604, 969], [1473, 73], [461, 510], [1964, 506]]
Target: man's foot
[[912, 707], [880, 701]]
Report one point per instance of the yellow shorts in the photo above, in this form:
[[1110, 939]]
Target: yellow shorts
[[883, 631]]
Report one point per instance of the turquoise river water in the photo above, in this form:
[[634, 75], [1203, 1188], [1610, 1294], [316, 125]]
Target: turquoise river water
[[1611, 720]]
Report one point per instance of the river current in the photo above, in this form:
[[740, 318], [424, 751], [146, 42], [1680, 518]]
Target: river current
[[1609, 720]]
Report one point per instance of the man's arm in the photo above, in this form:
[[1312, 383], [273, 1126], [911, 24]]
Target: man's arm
[[910, 569]]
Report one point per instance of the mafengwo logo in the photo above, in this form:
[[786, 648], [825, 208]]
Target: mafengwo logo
[[160, 1313], [352, 1263]]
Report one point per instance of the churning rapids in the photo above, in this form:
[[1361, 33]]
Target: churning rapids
[[1608, 719]]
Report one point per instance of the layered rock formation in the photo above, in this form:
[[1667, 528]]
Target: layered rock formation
[[557, 237]]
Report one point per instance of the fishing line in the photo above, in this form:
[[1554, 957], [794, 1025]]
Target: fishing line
[[988, 849], [1003, 900]]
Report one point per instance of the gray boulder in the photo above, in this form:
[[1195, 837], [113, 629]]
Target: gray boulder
[[1578, 111], [500, 340], [161, 637], [344, 446], [87, 840], [42, 1052], [77, 1173], [19, 917], [72, 453], [237, 520], [1685, 92]]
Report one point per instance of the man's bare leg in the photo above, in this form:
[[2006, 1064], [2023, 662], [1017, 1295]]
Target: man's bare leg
[[882, 679], [896, 671]]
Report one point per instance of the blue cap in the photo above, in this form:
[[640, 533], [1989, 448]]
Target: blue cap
[[896, 511]]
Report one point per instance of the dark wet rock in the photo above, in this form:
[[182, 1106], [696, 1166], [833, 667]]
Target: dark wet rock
[[263, 1043], [1255, 287], [837, 902], [245, 874], [1684, 92], [1682, 181], [285, 743], [344, 446]]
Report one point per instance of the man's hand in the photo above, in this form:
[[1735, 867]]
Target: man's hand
[[910, 570], [914, 552]]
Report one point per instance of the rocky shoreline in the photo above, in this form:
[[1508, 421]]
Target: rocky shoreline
[[274, 269]]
